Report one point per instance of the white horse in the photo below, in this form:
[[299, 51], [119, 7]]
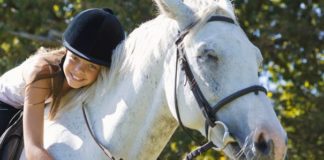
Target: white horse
[[132, 108]]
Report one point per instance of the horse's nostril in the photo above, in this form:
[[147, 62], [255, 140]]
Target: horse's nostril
[[262, 145]]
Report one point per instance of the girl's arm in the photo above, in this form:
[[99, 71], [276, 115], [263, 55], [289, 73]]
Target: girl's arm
[[33, 120]]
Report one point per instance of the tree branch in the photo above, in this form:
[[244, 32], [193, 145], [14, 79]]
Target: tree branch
[[53, 37]]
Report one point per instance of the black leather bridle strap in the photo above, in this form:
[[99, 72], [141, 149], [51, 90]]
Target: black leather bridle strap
[[199, 150], [240, 93], [175, 94], [185, 129], [221, 18], [200, 98], [105, 150]]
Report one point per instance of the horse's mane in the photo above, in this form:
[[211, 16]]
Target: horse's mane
[[141, 45], [161, 31]]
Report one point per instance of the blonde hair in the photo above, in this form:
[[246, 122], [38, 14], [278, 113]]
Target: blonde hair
[[50, 62]]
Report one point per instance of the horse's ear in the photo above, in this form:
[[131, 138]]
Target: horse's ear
[[177, 10]]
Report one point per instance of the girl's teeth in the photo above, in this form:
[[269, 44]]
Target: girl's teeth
[[76, 78]]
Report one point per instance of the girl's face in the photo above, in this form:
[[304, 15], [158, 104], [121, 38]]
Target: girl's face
[[79, 72]]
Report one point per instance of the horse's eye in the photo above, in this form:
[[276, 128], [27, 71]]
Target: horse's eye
[[207, 55], [210, 55]]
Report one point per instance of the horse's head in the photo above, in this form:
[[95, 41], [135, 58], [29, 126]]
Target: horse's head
[[223, 91]]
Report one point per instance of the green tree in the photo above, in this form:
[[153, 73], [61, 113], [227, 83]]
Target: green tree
[[290, 34]]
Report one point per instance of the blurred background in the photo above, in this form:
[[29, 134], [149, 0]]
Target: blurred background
[[289, 33]]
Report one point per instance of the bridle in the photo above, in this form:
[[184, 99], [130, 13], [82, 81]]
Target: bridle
[[209, 112]]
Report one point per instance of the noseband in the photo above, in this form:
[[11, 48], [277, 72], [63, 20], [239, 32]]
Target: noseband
[[208, 111]]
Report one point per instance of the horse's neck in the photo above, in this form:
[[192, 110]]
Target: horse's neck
[[133, 119]]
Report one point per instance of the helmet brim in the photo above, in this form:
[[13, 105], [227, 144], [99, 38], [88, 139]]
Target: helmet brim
[[84, 55]]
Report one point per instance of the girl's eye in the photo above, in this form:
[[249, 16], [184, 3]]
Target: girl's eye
[[74, 57], [93, 67]]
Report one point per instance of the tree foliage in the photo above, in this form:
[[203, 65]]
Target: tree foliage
[[290, 35]]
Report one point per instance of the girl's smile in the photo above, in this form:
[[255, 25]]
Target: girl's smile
[[78, 71]]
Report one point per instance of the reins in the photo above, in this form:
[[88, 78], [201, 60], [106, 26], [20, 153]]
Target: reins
[[105, 150]]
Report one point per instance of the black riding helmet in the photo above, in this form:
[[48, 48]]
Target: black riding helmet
[[93, 34]]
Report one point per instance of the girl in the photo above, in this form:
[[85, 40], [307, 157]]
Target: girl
[[45, 78]]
